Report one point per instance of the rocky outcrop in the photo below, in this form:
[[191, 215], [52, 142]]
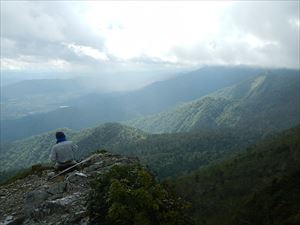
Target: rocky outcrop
[[61, 200]]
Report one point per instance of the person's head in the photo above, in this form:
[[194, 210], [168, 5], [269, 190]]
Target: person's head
[[60, 136]]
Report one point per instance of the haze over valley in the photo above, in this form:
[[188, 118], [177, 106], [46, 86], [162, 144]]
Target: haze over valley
[[202, 97]]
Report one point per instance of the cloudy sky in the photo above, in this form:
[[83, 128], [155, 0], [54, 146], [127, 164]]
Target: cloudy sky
[[82, 36]]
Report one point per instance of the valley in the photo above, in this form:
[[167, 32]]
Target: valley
[[91, 109], [220, 147], [150, 112]]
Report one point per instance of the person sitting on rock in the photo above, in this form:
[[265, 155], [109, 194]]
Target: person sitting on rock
[[62, 153]]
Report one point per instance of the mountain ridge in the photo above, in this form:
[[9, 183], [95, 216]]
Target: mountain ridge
[[162, 152], [93, 109], [268, 100]]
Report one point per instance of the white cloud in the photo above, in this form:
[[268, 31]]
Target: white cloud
[[100, 34], [133, 29], [294, 22], [82, 50], [32, 63]]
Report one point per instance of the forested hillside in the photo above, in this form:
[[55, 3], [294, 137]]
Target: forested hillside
[[36, 149], [149, 112], [94, 108], [267, 102], [166, 154], [260, 186]]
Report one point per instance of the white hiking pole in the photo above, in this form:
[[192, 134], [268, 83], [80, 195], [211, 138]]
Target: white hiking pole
[[71, 167]]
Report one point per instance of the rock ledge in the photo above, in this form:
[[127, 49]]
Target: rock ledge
[[38, 199]]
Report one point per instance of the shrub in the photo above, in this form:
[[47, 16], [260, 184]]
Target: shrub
[[130, 195]]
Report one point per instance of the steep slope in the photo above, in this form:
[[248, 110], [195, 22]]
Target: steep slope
[[267, 102], [95, 108], [260, 186]]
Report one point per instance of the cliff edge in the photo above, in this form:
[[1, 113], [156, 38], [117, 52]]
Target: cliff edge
[[40, 198]]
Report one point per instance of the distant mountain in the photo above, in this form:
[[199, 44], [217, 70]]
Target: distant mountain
[[39, 87], [94, 108], [266, 102], [111, 136], [166, 154], [36, 149], [175, 154], [260, 186], [162, 95], [32, 97], [23, 153]]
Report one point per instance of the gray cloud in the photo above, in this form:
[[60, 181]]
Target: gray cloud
[[39, 29], [274, 22], [253, 33]]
